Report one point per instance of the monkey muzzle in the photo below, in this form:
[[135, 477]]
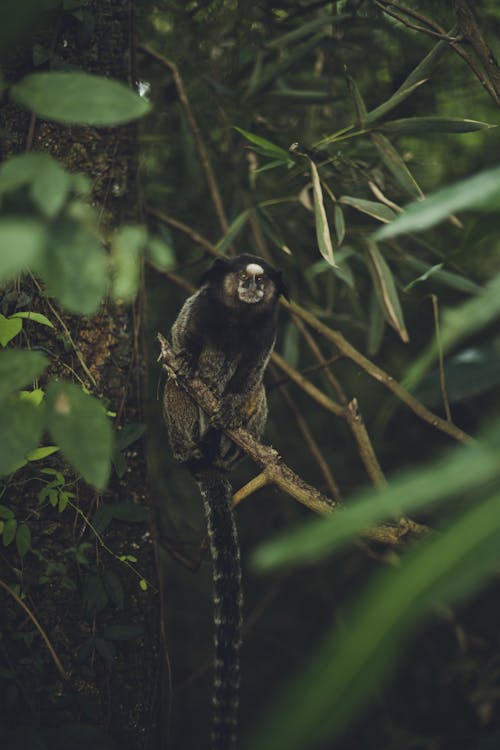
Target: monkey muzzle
[[250, 290]]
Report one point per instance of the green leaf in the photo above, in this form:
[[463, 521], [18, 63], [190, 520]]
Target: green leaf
[[394, 101], [5, 512], [352, 662], [126, 248], [79, 426], [9, 531], [129, 434], [372, 208], [395, 164], [322, 228], [22, 242], [95, 597], [74, 268], [386, 291], [125, 632], [20, 432], [462, 470], [457, 325], [159, 254], [50, 187], [425, 125], [114, 588], [9, 328], [339, 223], [481, 192], [79, 98], [273, 72], [233, 231], [34, 316], [359, 103], [18, 368], [42, 452], [304, 29], [448, 278], [23, 539], [266, 147], [426, 275]]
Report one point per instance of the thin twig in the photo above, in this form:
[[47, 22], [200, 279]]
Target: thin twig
[[37, 625], [200, 146]]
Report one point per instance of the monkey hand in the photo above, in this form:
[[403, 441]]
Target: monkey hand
[[184, 365], [228, 414]]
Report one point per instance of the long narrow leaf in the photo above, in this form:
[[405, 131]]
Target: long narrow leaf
[[394, 162], [481, 192], [461, 470], [322, 228], [387, 292], [425, 125], [353, 661]]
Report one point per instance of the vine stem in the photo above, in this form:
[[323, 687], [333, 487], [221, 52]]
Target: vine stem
[[38, 626]]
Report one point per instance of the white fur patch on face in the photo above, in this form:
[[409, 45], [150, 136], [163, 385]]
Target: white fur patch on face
[[253, 269]]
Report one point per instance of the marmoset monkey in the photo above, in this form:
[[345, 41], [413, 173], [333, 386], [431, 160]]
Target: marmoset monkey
[[224, 335]]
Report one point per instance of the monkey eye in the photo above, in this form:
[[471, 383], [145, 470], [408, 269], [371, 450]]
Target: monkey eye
[[260, 281], [243, 276]]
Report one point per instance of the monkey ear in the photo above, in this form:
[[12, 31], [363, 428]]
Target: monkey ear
[[216, 271], [281, 285]]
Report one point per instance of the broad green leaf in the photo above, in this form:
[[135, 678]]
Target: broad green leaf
[[95, 596], [22, 242], [481, 192], [79, 98], [233, 231], [386, 290], [50, 187], [74, 268], [425, 125], [114, 588], [36, 396], [20, 431], [18, 368], [462, 470], [20, 170], [395, 164], [322, 228], [159, 254], [372, 208], [79, 426], [267, 147], [42, 452], [36, 317], [126, 248], [129, 434], [9, 328], [23, 539], [352, 662], [9, 531]]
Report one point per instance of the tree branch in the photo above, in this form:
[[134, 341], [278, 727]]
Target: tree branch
[[275, 471]]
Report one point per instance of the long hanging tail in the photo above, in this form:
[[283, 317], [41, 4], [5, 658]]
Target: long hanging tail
[[228, 600]]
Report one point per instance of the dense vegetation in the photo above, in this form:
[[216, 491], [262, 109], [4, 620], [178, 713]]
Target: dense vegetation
[[353, 144]]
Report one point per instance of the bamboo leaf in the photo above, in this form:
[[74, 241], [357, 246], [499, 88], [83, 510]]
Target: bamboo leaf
[[305, 29], [322, 228], [272, 72], [267, 148], [233, 231], [353, 661], [386, 290], [481, 192], [395, 164], [372, 208], [425, 125]]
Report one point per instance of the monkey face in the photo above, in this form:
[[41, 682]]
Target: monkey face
[[251, 284], [244, 281]]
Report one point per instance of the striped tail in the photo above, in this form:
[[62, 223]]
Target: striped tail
[[228, 600]]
